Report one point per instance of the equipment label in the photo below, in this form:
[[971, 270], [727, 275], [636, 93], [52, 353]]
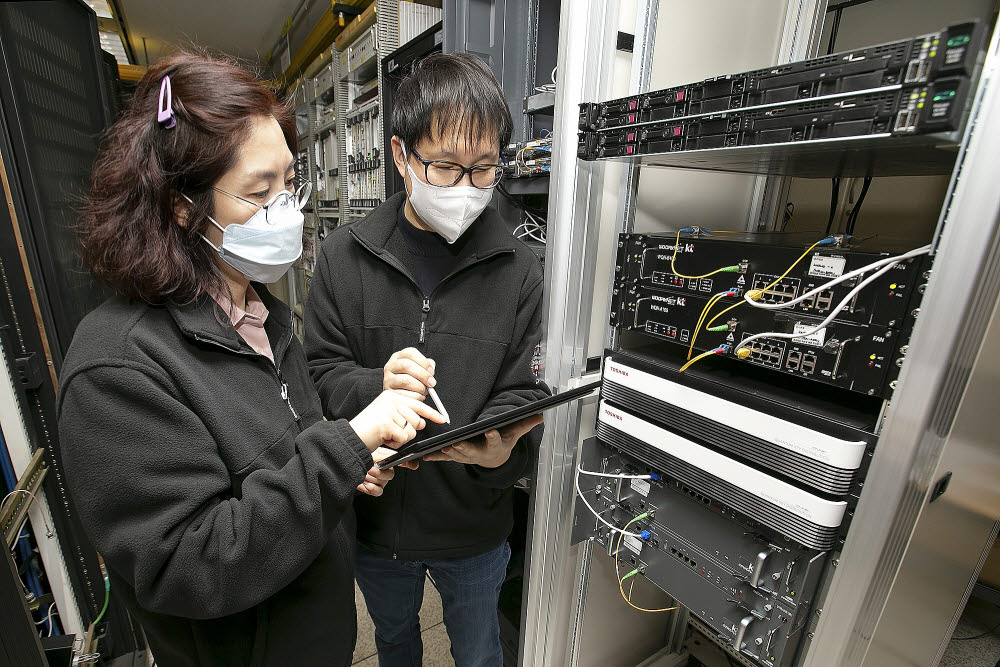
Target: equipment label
[[816, 339], [825, 266], [633, 543], [641, 486]]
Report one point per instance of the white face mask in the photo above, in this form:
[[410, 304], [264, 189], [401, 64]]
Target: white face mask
[[448, 211], [269, 242]]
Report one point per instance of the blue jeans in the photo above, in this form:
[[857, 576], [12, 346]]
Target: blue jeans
[[470, 591]]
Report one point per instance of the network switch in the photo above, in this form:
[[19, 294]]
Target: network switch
[[752, 586], [653, 263]]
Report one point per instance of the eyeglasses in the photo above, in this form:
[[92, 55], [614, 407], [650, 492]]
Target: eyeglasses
[[444, 174], [281, 200]]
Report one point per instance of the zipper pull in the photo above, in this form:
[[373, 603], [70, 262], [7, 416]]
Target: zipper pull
[[423, 318], [284, 395]]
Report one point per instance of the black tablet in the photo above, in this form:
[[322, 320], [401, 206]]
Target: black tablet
[[417, 448]]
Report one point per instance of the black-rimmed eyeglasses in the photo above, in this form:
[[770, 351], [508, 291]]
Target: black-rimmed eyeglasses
[[445, 174]]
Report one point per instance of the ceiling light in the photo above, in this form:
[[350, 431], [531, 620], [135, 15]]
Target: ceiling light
[[101, 8], [112, 43]]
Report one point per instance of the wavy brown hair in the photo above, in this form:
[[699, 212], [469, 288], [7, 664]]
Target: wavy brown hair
[[129, 237]]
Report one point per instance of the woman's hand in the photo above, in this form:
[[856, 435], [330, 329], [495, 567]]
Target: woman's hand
[[392, 419], [376, 479]]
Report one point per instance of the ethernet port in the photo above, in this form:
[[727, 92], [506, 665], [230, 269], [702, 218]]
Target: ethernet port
[[809, 303], [824, 300], [794, 359], [911, 71], [808, 363]]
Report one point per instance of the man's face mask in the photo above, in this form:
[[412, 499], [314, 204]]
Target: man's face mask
[[447, 208], [270, 241]]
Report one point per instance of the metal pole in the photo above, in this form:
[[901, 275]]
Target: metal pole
[[587, 39]]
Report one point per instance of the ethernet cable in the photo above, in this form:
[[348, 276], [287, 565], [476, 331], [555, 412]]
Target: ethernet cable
[[653, 475], [742, 352], [632, 574], [620, 531], [923, 250]]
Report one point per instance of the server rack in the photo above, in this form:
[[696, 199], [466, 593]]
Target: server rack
[[931, 408]]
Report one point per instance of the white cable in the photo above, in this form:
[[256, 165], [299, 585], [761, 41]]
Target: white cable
[[822, 325], [610, 475], [50, 617], [49, 532], [600, 518], [537, 220], [923, 250]]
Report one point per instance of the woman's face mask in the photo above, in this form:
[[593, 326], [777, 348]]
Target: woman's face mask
[[269, 242]]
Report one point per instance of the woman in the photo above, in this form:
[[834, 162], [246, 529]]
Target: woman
[[193, 439]]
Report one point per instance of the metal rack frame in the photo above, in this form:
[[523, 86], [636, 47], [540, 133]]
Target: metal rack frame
[[874, 584]]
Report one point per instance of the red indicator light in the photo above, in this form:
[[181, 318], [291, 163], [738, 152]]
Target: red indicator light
[[680, 96], [631, 136], [677, 131], [631, 105], [631, 118], [628, 150]]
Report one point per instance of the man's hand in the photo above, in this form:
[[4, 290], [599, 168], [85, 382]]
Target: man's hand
[[410, 373], [491, 454], [376, 479]]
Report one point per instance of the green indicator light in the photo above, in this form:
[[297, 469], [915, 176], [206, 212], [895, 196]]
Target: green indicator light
[[958, 41], [944, 96]]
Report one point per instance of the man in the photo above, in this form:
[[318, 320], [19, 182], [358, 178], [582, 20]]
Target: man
[[431, 290]]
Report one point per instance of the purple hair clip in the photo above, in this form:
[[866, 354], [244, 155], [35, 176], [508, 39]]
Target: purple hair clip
[[165, 114]]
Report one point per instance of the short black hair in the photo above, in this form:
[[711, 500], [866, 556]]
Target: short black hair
[[451, 90]]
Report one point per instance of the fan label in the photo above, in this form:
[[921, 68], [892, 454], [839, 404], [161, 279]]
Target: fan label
[[641, 486], [816, 339], [825, 266]]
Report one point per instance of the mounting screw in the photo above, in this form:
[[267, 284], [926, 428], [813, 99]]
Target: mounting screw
[[892, 323], [836, 562], [819, 612], [811, 635], [871, 392]]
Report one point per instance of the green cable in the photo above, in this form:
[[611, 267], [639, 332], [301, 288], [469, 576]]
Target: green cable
[[730, 269], [630, 574], [721, 327], [107, 598]]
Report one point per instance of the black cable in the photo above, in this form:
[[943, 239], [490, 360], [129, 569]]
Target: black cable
[[789, 212], [834, 198], [835, 29], [988, 632], [852, 219]]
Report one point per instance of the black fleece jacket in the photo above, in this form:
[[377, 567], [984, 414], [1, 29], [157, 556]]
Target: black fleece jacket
[[222, 508], [481, 324]]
